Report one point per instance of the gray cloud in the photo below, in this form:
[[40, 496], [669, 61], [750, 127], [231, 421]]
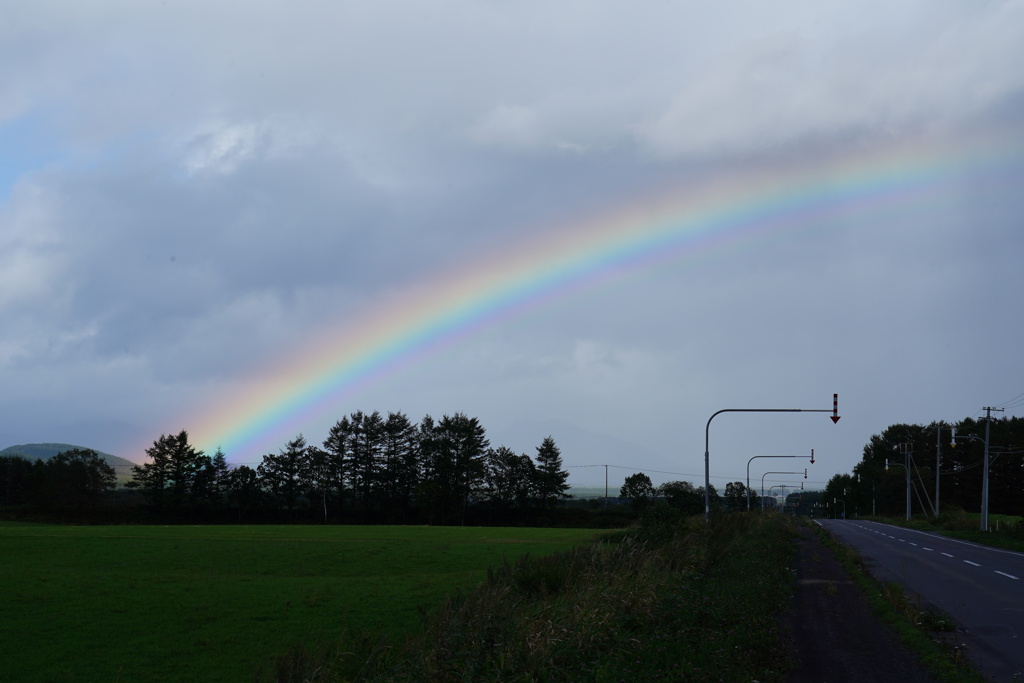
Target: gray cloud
[[198, 190]]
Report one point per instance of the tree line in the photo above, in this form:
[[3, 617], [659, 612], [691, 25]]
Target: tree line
[[76, 479], [378, 469], [683, 496], [878, 482], [370, 468]]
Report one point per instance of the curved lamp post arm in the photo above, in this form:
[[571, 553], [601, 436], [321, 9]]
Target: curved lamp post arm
[[707, 432], [769, 456]]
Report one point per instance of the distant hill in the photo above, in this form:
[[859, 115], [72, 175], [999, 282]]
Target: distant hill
[[45, 451]]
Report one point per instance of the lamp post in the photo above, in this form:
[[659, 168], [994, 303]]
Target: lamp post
[[767, 473], [769, 456], [785, 496], [905, 449], [707, 439], [779, 486]]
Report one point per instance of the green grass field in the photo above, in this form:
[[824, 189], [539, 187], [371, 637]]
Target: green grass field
[[216, 603]]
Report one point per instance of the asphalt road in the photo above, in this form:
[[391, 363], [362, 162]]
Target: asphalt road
[[980, 588]]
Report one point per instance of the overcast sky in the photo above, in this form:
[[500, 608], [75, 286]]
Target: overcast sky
[[194, 192]]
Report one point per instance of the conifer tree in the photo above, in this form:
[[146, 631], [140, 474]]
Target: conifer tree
[[283, 473], [552, 480], [402, 466], [170, 479], [454, 463]]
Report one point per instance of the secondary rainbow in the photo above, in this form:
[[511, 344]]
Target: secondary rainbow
[[260, 413]]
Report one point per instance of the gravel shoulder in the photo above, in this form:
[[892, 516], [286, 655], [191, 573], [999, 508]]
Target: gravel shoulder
[[831, 630]]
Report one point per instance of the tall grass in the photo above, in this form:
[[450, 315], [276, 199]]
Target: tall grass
[[672, 599]]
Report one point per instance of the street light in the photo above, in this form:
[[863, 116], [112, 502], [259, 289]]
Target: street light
[[905, 448], [767, 473], [785, 496], [770, 456], [707, 439], [778, 486]]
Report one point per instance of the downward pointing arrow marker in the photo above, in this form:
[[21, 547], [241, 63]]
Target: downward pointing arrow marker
[[835, 408]]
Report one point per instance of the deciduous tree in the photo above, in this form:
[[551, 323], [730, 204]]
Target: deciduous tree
[[638, 490], [511, 478], [683, 496], [80, 477], [736, 496]]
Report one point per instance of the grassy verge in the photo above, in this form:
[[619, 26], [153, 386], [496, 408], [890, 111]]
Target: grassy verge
[[923, 630], [1005, 531], [671, 600], [152, 603]]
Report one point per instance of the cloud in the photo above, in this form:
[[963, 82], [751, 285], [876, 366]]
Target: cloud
[[507, 126], [31, 256], [222, 148], [223, 182], [912, 75]]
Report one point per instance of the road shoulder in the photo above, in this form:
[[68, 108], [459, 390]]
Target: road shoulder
[[831, 631]]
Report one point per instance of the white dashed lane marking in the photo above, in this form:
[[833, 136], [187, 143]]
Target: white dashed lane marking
[[931, 550]]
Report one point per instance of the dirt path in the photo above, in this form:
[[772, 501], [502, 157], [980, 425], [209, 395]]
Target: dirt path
[[834, 636]]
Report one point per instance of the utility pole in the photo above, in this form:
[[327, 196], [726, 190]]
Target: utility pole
[[938, 445], [606, 487], [984, 480]]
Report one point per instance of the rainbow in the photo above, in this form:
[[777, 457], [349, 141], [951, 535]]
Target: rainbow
[[260, 414]]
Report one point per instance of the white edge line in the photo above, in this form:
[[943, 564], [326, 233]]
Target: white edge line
[[957, 540]]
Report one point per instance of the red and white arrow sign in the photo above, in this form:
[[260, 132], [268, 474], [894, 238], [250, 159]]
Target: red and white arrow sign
[[835, 408]]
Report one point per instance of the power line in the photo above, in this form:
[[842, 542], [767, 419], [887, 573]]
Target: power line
[[1017, 400]]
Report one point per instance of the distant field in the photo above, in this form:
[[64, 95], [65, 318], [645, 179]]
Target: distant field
[[177, 603]]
